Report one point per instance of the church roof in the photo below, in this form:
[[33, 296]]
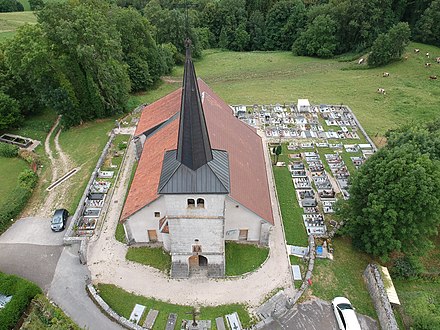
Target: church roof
[[248, 184]]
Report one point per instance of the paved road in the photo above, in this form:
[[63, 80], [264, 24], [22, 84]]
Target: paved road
[[314, 315], [31, 250]]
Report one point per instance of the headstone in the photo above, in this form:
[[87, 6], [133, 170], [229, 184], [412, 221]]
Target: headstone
[[171, 322], [151, 318], [137, 313], [296, 273], [234, 321], [219, 322]]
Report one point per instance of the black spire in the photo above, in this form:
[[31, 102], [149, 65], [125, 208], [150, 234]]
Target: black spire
[[193, 147]]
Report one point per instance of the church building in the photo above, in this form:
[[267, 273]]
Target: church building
[[201, 179]]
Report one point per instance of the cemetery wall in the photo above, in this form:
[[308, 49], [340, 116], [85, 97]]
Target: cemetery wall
[[379, 296]]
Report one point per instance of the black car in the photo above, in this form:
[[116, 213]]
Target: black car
[[59, 220]]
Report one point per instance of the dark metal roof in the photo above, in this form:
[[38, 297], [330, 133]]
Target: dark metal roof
[[210, 178], [193, 147]]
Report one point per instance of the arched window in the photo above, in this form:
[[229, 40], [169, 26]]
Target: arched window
[[201, 203], [191, 202]]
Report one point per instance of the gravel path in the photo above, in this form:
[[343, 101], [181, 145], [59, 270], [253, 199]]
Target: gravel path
[[107, 264]]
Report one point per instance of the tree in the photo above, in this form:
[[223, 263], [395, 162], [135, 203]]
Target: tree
[[88, 46], [394, 204], [256, 28], [277, 151], [10, 115], [427, 29], [10, 6], [390, 45], [36, 4], [284, 22], [318, 40]]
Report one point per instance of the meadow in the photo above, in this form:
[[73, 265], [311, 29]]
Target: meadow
[[9, 22]]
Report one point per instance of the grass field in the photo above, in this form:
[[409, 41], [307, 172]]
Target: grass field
[[243, 258], [10, 168], [270, 77], [343, 277], [154, 257], [123, 303], [9, 22]]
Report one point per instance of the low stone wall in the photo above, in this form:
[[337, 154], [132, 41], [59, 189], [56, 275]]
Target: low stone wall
[[379, 296], [110, 312]]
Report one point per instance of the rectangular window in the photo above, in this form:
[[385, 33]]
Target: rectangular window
[[157, 214], [243, 235]]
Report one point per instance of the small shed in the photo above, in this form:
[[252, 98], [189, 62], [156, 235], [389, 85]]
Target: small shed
[[303, 105]]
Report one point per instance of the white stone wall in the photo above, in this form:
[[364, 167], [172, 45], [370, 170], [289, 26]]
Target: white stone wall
[[143, 220], [177, 206], [239, 217], [184, 232]]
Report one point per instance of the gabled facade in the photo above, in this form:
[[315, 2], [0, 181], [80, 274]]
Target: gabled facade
[[190, 195]]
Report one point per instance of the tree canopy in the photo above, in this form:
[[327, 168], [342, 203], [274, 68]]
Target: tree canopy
[[394, 202]]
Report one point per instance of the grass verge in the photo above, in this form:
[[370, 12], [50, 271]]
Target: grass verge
[[154, 257], [343, 277], [243, 258], [123, 303]]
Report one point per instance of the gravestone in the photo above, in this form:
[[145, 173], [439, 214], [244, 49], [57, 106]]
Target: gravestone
[[151, 318], [171, 322], [220, 323]]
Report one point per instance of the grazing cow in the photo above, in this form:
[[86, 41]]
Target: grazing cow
[[427, 65], [433, 77], [437, 60], [385, 74], [427, 55], [381, 91], [361, 61], [416, 50]]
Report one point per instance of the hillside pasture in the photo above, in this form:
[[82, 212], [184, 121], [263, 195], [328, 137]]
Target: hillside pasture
[[280, 77], [9, 22]]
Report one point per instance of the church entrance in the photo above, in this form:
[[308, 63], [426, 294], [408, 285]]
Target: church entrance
[[198, 266]]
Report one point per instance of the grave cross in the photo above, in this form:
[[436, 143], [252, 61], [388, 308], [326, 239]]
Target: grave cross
[[194, 314]]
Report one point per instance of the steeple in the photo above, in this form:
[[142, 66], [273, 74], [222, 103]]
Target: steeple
[[193, 147]]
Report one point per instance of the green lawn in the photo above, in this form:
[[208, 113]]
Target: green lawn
[[243, 258], [10, 168], [9, 22], [84, 145], [343, 277], [154, 257], [269, 77], [291, 211], [123, 303]]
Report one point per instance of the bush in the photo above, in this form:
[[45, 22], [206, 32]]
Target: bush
[[122, 145], [12, 207], [8, 150], [27, 179], [22, 292], [406, 267]]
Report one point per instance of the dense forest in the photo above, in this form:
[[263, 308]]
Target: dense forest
[[84, 57]]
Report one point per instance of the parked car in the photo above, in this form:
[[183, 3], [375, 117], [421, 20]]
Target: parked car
[[59, 220], [345, 315]]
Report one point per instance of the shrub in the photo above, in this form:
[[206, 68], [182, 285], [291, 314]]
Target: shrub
[[29, 156], [12, 206], [406, 267], [122, 145], [8, 150], [27, 179], [22, 292]]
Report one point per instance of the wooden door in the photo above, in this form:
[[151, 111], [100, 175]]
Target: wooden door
[[152, 235], [193, 261], [243, 235]]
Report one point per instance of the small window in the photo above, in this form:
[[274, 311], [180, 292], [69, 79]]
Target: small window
[[157, 214], [201, 203], [191, 202]]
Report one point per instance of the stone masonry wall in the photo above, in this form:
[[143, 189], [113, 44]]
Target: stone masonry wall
[[378, 293]]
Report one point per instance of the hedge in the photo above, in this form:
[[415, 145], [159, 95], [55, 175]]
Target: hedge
[[22, 292], [8, 150]]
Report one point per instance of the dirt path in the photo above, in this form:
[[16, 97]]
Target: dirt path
[[107, 263], [58, 167]]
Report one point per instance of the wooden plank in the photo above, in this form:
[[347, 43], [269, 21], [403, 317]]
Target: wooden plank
[[171, 322], [151, 318], [220, 323]]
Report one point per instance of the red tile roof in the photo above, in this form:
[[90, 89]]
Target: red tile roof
[[248, 177], [159, 111]]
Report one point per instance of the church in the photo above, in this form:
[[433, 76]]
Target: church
[[201, 179]]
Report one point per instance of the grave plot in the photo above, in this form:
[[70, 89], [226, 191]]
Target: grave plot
[[339, 171]]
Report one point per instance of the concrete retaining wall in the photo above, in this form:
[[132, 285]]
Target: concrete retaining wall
[[110, 312], [379, 296]]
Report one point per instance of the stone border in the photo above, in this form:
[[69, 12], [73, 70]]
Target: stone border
[[378, 294], [107, 310]]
